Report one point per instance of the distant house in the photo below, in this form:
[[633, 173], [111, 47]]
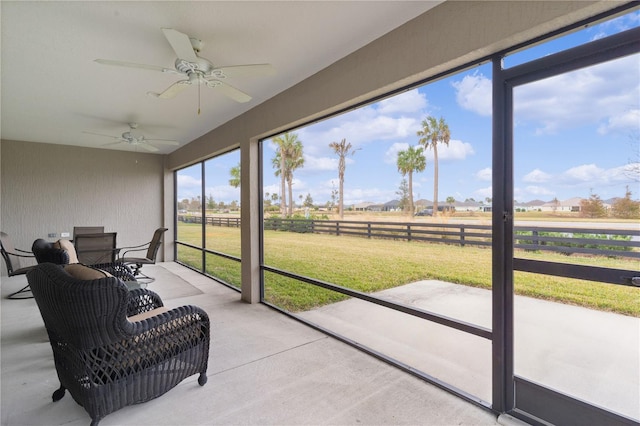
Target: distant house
[[569, 205], [364, 206], [391, 206], [467, 206], [422, 204]]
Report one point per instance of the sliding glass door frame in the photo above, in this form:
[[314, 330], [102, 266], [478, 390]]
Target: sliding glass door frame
[[523, 399]]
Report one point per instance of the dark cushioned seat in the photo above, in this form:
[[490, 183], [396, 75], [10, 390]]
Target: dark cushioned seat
[[106, 359]]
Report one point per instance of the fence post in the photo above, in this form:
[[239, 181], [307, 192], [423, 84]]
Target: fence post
[[408, 232], [369, 230], [337, 228], [535, 241], [462, 236]]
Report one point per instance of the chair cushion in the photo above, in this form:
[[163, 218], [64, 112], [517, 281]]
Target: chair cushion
[[148, 314], [70, 249], [85, 273]]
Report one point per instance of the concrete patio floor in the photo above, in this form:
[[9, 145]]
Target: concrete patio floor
[[264, 368]]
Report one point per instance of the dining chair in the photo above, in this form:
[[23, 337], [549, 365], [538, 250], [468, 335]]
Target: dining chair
[[11, 256], [97, 248], [77, 230], [149, 258]]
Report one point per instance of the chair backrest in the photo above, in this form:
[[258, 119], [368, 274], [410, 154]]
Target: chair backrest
[[94, 249], [46, 252], [154, 245], [10, 259], [78, 230], [83, 313]]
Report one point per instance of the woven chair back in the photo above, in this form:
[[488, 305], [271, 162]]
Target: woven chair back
[[85, 314]]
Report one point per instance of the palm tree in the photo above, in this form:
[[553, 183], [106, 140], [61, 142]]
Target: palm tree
[[434, 132], [235, 176], [295, 160], [278, 165], [285, 143], [450, 201], [409, 161], [342, 149]]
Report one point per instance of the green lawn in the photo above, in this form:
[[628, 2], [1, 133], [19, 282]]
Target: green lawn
[[371, 265]]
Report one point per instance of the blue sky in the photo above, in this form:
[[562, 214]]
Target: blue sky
[[574, 134]]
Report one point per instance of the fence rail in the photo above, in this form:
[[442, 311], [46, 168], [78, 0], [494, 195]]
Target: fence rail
[[592, 241], [229, 222]]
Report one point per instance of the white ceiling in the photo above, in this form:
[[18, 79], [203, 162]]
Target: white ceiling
[[52, 90]]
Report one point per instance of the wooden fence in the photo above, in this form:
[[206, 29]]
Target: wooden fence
[[592, 241]]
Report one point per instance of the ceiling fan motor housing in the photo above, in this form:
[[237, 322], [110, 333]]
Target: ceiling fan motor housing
[[201, 66]]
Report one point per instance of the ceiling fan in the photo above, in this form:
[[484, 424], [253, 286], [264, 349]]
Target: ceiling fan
[[197, 70], [134, 137]]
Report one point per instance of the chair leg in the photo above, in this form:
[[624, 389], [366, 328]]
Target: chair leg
[[202, 379], [23, 293], [57, 395], [144, 279]]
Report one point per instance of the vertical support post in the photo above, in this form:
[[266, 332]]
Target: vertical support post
[[250, 221], [502, 242], [203, 215]]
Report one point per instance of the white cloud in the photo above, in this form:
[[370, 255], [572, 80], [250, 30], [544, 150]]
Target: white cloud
[[538, 190], [407, 102], [316, 164], [537, 176], [629, 120], [583, 173], [374, 195], [456, 150], [393, 119], [224, 193], [186, 181], [391, 155], [188, 187], [484, 174], [580, 180], [482, 193], [597, 94], [474, 93]]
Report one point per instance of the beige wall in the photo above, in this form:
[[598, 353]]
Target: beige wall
[[52, 188]]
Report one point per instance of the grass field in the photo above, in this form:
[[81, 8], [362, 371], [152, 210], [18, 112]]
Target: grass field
[[370, 265]]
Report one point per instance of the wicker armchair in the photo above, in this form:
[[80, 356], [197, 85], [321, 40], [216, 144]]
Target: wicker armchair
[[62, 252], [46, 252], [113, 347]]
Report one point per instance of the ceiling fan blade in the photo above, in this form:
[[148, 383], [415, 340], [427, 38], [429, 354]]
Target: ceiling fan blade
[[228, 90], [164, 141], [172, 90], [134, 65], [100, 134], [181, 44], [148, 147], [247, 70]]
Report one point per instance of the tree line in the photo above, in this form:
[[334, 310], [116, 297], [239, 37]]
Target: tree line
[[433, 133], [289, 157]]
